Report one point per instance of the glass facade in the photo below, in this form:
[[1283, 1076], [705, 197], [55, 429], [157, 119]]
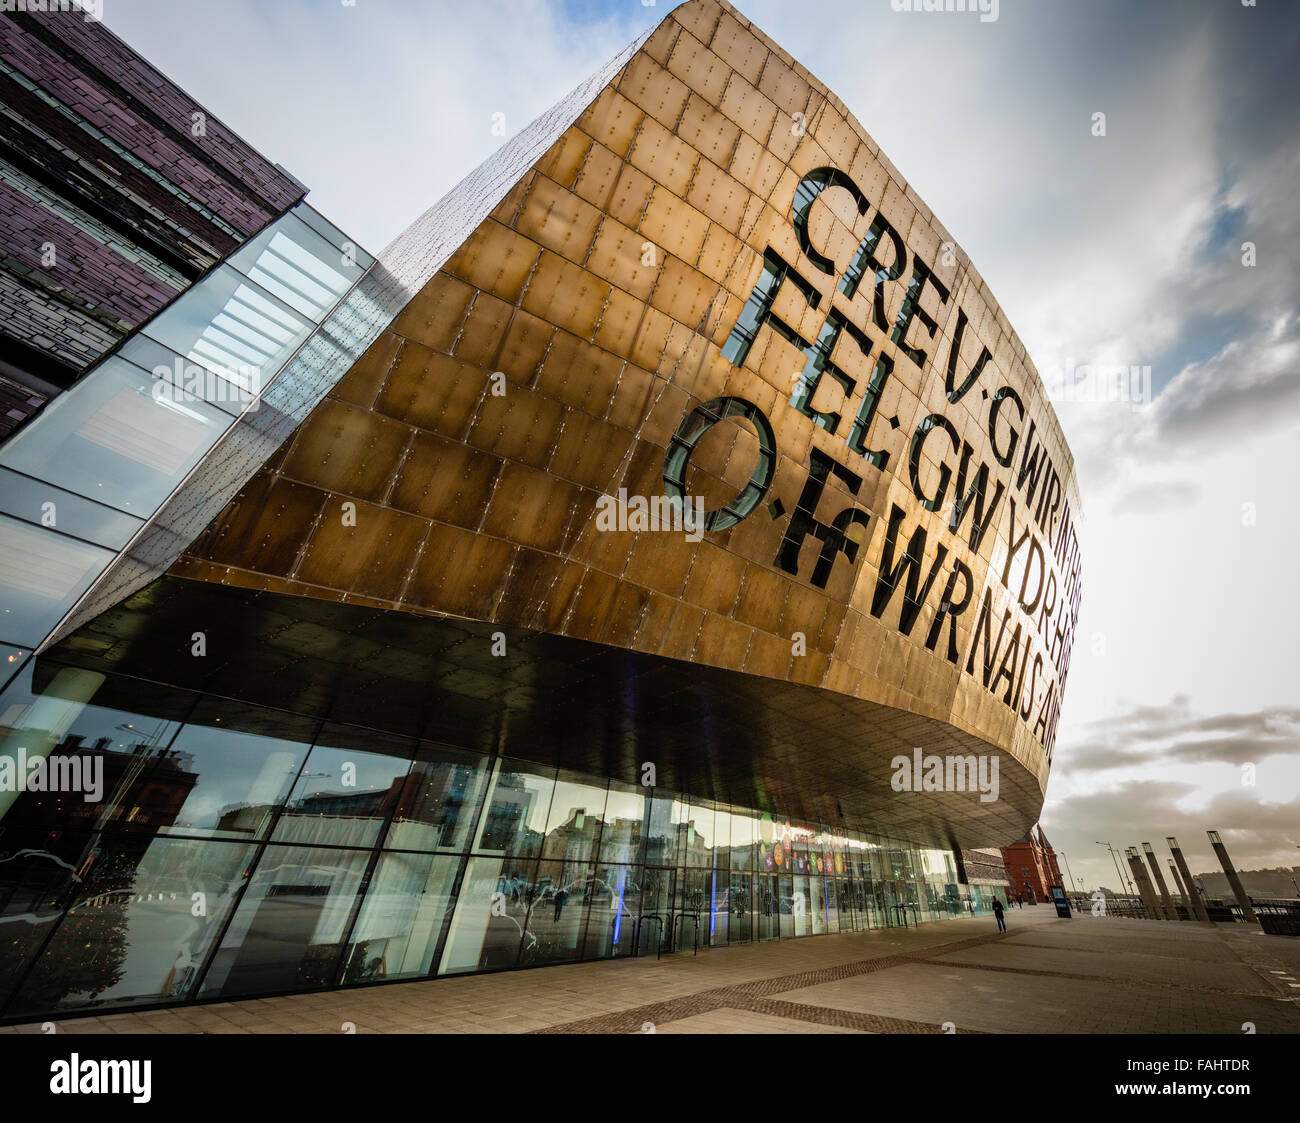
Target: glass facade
[[80, 480], [195, 847]]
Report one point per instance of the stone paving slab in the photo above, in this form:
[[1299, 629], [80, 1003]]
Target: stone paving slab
[[1047, 975], [1106, 943], [1009, 1003], [746, 1021], [1235, 978]]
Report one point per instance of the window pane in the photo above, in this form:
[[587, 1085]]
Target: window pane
[[93, 754], [744, 830], [349, 786], [288, 932], [132, 934], [242, 761], [36, 882], [42, 573], [331, 233], [113, 439], [558, 918], [299, 266], [491, 911], [668, 832], [699, 841], [26, 499], [229, 390], [573, 826], [232, 327], [397, 933], [625, 810], [517, 808], [440, 800], [612, 915]]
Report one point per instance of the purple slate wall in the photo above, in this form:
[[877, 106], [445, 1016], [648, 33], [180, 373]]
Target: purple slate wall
[[125, 244]]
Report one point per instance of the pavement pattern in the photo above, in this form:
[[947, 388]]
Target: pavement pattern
[[1045, 975]]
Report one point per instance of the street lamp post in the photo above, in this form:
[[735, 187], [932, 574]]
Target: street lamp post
[[1069, 873], [1122, 883]]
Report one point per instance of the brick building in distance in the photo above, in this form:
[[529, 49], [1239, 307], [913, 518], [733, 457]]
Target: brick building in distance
[[1032, 867]]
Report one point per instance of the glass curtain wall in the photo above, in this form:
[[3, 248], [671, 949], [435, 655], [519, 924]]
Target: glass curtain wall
[[80, 480], [182, 847]]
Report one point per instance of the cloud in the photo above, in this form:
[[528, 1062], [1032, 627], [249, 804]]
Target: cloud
[[1252, 385], [1155, 734], [1155, 496], [1258, 835]]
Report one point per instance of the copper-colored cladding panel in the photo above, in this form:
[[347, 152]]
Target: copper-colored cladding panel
[[603, 289]]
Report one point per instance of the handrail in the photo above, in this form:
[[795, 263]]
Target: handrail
[[636, 939]]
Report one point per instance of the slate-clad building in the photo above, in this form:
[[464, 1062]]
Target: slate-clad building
[[117, 192]]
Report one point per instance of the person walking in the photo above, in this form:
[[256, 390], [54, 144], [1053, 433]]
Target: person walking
[[997, 911], [1020, 901]]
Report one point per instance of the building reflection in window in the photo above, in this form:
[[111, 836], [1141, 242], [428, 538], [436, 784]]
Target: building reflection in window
[[236, 850]]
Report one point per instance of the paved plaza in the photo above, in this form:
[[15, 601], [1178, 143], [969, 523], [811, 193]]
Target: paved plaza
[[1046, 975]]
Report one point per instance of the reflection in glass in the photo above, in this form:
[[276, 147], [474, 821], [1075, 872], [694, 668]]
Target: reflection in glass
[[224, 857], [673, 837], [740, 903], [114, 440], [145, 913], [612, 916], [702, 821], [397, 933], [99, 745], [517, 806], [78, 517], [744, 834], [288, 931], [228, 771], [573, 827], [558, 916], [625, 815], [658, 887], [440, 800], [41, 576], [492, 910], [346, 790], [36, 884]]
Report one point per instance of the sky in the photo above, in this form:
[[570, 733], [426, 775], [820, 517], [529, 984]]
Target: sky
[[1123, 250]]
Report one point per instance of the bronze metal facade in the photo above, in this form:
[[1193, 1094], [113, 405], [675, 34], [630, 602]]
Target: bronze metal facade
[[713, 283]]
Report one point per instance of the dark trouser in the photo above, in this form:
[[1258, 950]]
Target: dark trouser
[[1002, 924]]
